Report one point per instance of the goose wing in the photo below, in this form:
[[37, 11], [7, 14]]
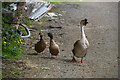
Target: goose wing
[[40, 46], [54, 49], [76, 43]]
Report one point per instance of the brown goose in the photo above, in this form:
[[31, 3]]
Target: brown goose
[[41, 45], [53, 48], [81, 46]]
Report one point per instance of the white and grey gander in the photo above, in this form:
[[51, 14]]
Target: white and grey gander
[[81, 46]]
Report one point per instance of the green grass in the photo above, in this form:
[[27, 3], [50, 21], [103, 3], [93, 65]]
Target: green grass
[[36, 24], [15, 73], [65, 1], [26, 21], [11, 74], [1, 75]]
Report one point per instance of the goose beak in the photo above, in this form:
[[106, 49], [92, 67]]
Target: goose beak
[[86, 21]]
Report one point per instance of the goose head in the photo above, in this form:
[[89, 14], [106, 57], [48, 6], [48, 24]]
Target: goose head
[[84, 22], [40, 35], [50, 35]]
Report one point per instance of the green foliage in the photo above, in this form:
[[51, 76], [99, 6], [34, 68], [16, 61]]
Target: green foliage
[[57, 8], [36, 24], [0, 74], [18, 14], [6, 4], [16, 73], [46, 18], [21, 29], [7, 19], [10, 74], [11, 43], [26, 21], [55, 1]]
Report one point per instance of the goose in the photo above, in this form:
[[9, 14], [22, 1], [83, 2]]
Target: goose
[[41, 45], [81, 46], [53, 48]]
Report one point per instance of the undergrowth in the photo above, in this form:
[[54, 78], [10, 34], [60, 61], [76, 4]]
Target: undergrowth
[[11, 42]]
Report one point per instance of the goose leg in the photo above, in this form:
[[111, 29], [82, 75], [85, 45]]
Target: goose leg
[[51, 56], [74, 60], [81, 60], [56, 56]]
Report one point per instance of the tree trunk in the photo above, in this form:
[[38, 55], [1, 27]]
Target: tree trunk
[[19, 12]]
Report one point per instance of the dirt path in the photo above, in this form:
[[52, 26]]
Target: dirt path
[[101, 60]]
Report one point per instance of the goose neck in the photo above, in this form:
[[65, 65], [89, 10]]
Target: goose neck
[[52, 41], [82, 32]]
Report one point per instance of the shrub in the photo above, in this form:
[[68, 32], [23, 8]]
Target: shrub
[[11, 43]]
